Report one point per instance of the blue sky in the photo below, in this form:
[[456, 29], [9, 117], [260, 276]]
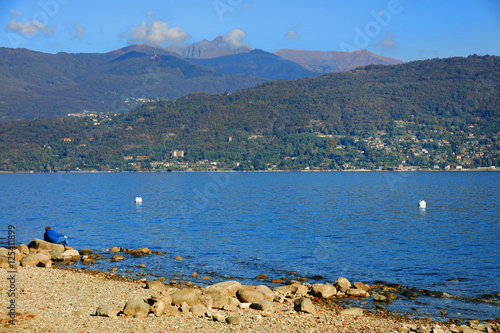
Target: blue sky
[[402, 29]]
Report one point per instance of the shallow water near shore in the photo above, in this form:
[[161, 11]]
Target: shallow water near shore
[[363, 226]]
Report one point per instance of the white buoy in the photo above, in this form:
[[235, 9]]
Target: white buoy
[[422, 204], [138, 199]]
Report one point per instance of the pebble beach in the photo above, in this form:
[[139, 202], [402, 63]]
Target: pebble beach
[[41, 297]]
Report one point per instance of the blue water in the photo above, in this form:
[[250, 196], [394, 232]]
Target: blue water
[[363, 226]]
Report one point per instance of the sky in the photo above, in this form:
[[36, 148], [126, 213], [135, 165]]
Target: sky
[[402, 29]]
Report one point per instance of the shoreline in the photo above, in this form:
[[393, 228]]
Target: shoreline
[[66, 299], [485, 169], [61, 297]]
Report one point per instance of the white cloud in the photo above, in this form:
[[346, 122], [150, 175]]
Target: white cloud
[[235, 37], [30, 28], [158, 32], [79, 31], [15, 13], [292, 34], [387, 40]]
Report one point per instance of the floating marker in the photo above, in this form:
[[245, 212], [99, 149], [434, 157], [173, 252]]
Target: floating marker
[[422, 204], [138, 199]]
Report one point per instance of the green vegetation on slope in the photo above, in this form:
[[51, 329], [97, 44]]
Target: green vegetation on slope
[[425, 113]]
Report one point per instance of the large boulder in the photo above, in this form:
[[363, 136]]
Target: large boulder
[[39, 244], [304, 305], [198, 310], [263, 305], [323, 290], [107, 310], [136, 308], [284, 290], [228, 288], [299, 289], [249, 296], [342, 284], [74, 254], [156, 284], [4, 262], [23, 249], [190, 296], [34, 259], [219, 300]]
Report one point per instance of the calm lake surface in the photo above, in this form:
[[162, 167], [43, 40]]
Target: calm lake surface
[[364, 226]]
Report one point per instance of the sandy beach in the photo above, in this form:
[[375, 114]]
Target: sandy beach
[[65, 300]]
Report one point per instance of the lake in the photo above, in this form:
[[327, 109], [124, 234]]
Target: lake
[[364, 226]]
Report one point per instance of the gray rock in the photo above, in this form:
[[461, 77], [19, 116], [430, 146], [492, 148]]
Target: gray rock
[[218, 300], [206, 300], [190, 296], [45, 263], [198, 310], [171, 310], [219, 317], [156, 285], [158, 308], [263, 305], [233, 320], [362, 286], [56, 255], [357, 292], [249, 296], [284, 290], [323, 290], [410, 293], [136, 308], [33, 259], [114, 249], [228, 288], [352, 312], [107, 310], [268, 293], [4, 263], [299, 290], [380, 298], [39, 244], [304, 305], [23, 249], [234, 301], [230, 307], [74, 254], [342, 284]]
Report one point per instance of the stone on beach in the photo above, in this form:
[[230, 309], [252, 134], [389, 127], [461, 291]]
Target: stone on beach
[[117, 257], [56, 255], [4, 263], [74, 254], [158, 308], [157, 285], [114, 249], [218, 300], [39, 244], [284, 290], [342, 284], [233, 320], [357, 312], [263, 305], [206, 300], [198, 310], [323, 290], [304, 304], [190, 296], [34, 259], [249, 296], [299, 289], [23, 249], [228, 288], [357, 292], [107, 310], [136, 308]]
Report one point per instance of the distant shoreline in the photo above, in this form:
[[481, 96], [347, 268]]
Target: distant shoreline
[[489, 169]]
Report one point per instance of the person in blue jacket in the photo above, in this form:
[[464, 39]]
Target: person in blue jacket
[[54, 237]]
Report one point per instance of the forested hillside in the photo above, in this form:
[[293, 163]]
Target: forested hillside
[[425, 114]]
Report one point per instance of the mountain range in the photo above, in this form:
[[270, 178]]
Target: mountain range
[[425, 114], [41, 85]]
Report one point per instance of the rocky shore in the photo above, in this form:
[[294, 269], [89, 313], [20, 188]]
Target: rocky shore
[[55, 299]]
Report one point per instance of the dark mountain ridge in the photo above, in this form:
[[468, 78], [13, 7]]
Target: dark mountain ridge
[[425, 113]]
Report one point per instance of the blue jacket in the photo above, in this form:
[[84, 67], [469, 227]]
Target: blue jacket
[[51, 236]]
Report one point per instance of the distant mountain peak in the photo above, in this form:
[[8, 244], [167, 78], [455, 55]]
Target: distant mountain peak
[[205, 49], [335, 61]]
